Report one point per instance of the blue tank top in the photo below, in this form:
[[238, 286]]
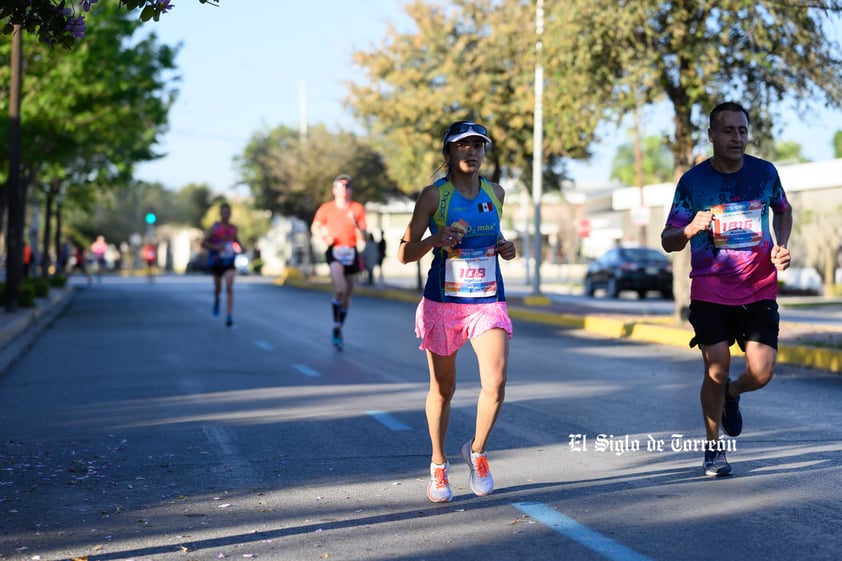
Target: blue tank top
[[470, 273]]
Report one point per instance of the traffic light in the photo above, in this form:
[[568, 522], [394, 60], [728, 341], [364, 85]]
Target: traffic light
[[151, 217]]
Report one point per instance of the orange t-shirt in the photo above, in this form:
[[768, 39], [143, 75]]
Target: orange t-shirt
[[340, 222]]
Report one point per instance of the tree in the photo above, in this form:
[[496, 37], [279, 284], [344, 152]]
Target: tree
[[657, 162], [695, 54], [288, 174], [837, 144], [117, 214], [470, 60], [89, 113], [191, 204], [56, 23], [824, 229], [788, 151]]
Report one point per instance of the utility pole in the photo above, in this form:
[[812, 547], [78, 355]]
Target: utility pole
[[537, 148]]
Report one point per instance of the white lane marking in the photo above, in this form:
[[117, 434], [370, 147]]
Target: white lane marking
[[306, 370], [569, 528], [389, 421], [264, 345]]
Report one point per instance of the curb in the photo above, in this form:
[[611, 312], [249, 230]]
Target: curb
[[604, 326], [28, 324]]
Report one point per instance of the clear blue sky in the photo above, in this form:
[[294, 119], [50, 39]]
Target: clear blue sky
[[243, 65]]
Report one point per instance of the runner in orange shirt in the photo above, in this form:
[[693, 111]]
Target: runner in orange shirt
[[340, 224]]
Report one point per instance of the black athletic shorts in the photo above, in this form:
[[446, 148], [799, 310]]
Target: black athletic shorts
[[714, 323], [220, 267], [351, 269]]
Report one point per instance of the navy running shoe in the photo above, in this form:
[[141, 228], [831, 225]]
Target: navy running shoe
[[715, 464]]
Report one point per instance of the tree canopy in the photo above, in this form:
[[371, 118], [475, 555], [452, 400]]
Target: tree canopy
[[471, 60], [87, 115], [696, 54], [57, 23], [291, 174], [90, 114], [656, 162]]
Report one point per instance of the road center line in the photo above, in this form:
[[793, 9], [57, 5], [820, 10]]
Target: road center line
[[569, 528], [306, 370], [388, 420], [264, 345]]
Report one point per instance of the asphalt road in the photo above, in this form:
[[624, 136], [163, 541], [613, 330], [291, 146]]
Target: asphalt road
[[138, 427]]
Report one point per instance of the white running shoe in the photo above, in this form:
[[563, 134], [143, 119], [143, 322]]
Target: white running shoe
[[438, 490], [481, 481]]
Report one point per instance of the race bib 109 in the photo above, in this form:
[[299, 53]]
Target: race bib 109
[[471, 273]]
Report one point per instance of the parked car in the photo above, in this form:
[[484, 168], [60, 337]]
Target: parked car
[[199, 263], [640, 269]]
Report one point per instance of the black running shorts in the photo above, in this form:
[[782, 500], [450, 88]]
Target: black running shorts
[[715, 323], [351, 269]]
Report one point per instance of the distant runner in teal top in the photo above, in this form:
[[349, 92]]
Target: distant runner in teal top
[[463, 299], [721, 207]]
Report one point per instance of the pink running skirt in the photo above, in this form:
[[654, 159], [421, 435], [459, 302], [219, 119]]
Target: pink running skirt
[[444, 327]]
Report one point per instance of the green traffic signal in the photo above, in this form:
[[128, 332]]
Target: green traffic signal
[[151, 218]]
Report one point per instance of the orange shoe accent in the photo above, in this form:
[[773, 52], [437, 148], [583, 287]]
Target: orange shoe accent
[[438, 490], [482, 466]]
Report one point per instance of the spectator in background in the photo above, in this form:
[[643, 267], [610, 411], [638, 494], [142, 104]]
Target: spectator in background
[[370, 258], [98, 249], [150, 256], [27, 259], [381, 253], [81, 262], [63, 258]]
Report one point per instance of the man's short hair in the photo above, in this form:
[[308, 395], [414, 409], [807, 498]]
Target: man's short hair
[[727, 106]]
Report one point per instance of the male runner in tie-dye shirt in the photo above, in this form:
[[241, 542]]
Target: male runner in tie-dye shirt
[[722, 207]]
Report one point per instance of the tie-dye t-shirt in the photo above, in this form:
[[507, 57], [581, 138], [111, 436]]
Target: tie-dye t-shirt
[[731, 261]]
